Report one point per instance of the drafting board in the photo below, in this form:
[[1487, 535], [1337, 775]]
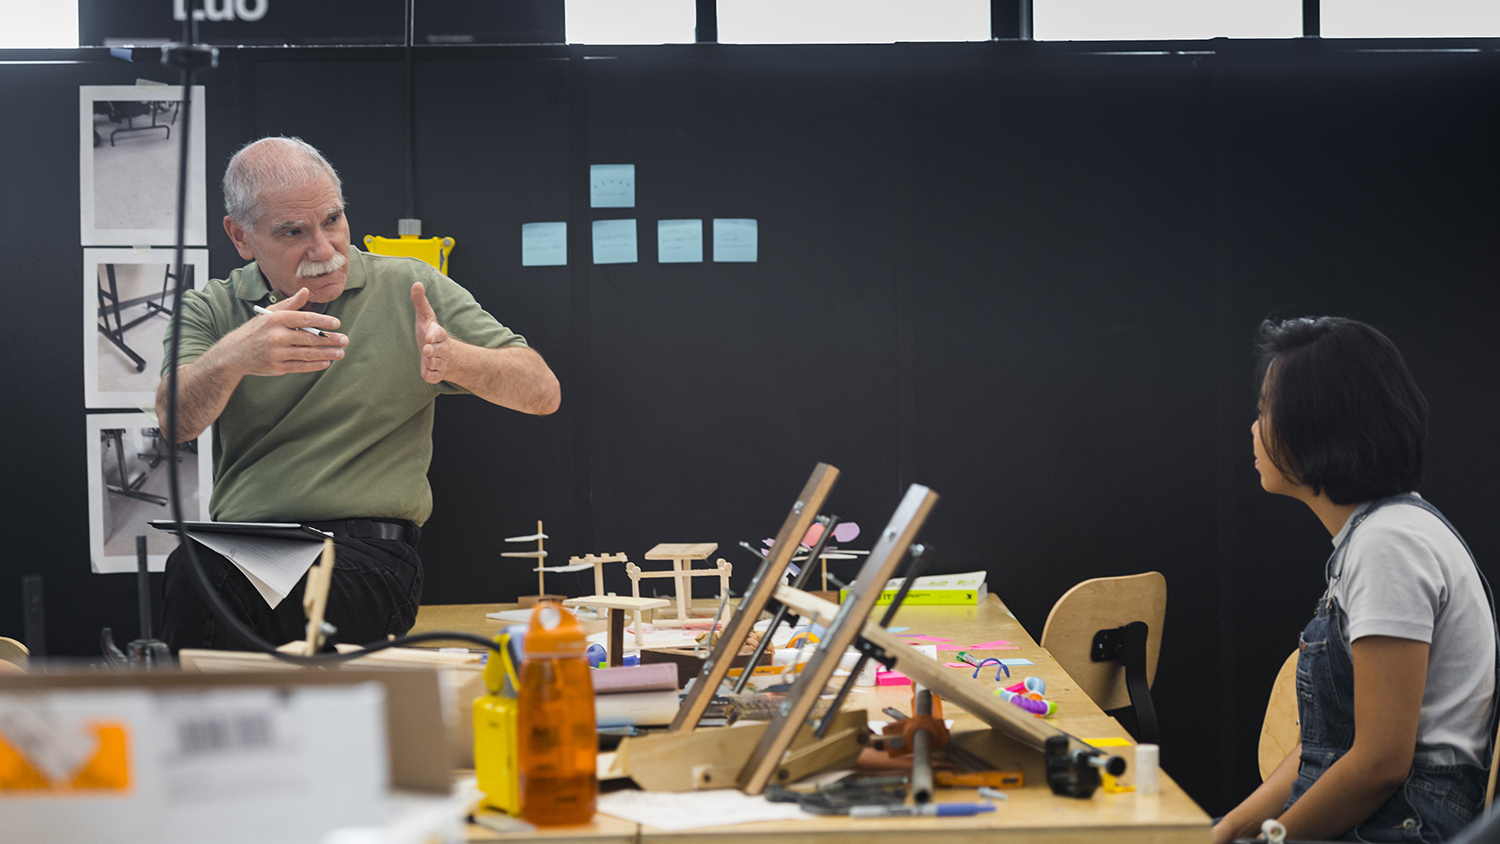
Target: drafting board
[[953, 688], [716, 667], [847, 625]]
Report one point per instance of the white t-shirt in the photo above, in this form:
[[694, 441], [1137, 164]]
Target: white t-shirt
[[1405, 574]]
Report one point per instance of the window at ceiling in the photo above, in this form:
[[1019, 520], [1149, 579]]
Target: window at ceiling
[[852, 21], [29, 23], [631, 21], [1149, 20], [1406, 19]]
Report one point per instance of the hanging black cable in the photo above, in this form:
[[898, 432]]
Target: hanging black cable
[[189, 56]]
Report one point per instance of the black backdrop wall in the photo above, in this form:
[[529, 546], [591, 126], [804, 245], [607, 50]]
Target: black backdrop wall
[[1025, 275]]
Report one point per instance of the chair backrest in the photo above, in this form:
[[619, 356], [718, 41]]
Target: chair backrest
[[14, 652], [1280, 731], [1489, 792], [1100, 604]]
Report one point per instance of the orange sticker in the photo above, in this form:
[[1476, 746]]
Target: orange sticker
[[107, 770]]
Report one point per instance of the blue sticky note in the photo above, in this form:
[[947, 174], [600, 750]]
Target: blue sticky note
[[1016, 661], [611, 185], [614, 242], [544, 244], [679, 241], [897, 629], [734, 241]]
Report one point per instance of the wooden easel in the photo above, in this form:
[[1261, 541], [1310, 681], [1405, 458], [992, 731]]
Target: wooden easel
[[845, 628], [793, 528], [1069, 760]]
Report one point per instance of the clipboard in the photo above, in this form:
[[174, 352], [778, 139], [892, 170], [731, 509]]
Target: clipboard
[[273, 530]]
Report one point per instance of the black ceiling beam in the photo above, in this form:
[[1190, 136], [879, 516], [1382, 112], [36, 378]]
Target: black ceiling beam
[[708, 22]]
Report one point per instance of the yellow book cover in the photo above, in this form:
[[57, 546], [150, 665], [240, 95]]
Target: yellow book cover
[[964, 589]]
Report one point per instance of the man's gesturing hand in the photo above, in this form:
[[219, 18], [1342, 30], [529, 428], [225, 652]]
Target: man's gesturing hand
[[272, 344], [432, 339]]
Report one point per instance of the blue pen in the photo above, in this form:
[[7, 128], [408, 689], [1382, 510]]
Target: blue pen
[[941, 810]]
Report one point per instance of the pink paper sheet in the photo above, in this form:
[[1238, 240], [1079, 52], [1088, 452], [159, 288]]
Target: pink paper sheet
[[997, 645]]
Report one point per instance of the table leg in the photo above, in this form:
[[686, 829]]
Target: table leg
[[683, 595], [617, 638]]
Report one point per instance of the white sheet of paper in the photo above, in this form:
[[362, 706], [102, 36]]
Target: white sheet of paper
[[513, 616], [273, 565], [695, 809]]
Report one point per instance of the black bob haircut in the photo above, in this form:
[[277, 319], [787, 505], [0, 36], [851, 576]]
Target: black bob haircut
[[1340, 411]]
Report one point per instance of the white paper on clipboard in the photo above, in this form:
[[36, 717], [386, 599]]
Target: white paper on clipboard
[[273, 565]]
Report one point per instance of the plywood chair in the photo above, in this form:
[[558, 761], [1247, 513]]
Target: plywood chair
[[14, 653], [1106, 633], [1489, 791], [1280, 731]]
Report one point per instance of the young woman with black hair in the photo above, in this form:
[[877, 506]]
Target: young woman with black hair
[[1396, 671]]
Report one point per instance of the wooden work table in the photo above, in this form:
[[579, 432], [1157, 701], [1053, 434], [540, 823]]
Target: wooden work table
[[1032, 812]]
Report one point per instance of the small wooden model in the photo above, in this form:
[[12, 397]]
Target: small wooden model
[[618, 606], [315, 598], [540, 555], [682, 555]]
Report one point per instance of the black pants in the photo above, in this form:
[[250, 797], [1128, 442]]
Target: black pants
[[376, 588]]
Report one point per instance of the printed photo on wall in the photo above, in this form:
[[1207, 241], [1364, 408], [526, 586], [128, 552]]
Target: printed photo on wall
[[127, 304], [128, 463], [127, 165]]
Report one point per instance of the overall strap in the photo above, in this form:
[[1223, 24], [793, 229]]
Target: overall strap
[[1417, 501]]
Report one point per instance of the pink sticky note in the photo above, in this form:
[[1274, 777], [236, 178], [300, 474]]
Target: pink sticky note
[[925, 638], [814, 532], [891, 678], [962, 665], [950, 646], [997, 645]]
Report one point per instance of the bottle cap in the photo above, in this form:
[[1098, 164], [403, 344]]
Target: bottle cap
[[554, 632]]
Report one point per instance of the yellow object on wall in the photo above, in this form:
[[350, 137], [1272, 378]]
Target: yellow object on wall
[[433, 250]]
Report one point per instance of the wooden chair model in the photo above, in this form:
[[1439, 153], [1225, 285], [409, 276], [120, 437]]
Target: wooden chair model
[[613, 605], [682, 555], [14, 653], [1106, 633]]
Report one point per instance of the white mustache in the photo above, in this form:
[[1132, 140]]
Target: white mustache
[[309, 269]]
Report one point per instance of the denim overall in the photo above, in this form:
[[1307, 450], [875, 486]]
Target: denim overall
[[1436, 801]]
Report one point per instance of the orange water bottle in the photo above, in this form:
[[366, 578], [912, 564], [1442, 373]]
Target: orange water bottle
[[558, 742]]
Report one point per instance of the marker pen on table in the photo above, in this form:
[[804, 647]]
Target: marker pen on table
[[308, 328], [941, 810]]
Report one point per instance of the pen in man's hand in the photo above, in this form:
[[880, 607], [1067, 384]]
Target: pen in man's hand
[[308, 328]]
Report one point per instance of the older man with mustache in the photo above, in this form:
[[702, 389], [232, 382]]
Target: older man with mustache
[[331, 427]]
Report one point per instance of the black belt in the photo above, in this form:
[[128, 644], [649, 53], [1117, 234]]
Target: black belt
[[399, 530]]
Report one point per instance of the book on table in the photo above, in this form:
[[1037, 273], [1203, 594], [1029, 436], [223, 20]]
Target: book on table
[[962, 589]]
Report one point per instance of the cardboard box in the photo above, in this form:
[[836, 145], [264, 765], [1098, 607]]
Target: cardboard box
[[181, 757]]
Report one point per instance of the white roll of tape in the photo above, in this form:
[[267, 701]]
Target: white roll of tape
[[1147, 769]]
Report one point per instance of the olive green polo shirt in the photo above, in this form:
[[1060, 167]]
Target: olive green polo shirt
[[353, 440]]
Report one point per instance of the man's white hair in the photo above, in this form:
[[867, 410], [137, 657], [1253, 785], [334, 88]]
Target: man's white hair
[[272, 164]]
